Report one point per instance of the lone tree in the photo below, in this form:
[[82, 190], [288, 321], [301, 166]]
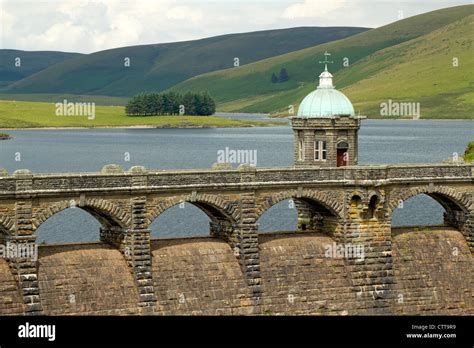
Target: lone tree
[[283, 75], [274, 78]]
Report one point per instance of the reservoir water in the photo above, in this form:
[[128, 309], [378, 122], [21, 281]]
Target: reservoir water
[[86, 150]]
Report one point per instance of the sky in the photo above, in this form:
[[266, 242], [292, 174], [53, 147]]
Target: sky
[[93, 25]]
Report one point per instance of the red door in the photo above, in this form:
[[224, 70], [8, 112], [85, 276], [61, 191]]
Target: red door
[[341, 157]]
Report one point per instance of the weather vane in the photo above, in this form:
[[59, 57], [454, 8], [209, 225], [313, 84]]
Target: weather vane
[[326, 61]]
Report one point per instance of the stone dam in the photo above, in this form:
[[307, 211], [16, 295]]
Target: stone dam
[[236, 270], [201, 276]]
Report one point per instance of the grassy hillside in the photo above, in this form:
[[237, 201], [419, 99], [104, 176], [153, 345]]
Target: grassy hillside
[[421, 70], [157, 67], [409, 59], [16, 114], [31, 63]]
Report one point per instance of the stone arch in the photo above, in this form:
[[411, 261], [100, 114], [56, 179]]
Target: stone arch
[[355, 204], [372, 207], [448, 197], [356, 200], [342, 144], [319, 197], [106, 212], [366, 204], [459, 211], [7, 225], [215, 207], [359, 193]]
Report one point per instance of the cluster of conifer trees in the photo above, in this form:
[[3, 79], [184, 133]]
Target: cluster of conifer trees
[[282, 77], [171, 103]]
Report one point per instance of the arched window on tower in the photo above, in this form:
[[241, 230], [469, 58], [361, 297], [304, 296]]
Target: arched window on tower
[[300, 146], [342, 153]]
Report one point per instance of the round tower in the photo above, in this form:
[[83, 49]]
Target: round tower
[[326, 128]]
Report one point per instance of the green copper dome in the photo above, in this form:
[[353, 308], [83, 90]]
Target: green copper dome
[[325, 101]]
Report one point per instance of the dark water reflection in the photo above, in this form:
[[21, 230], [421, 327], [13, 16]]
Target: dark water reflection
[[90, 149]]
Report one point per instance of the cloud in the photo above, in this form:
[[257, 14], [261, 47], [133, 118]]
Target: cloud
[[94, 25], [184, 13], [80, 25], [312, 8]]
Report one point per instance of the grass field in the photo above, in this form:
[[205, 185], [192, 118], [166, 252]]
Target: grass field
[[54, 98], [21, 114]]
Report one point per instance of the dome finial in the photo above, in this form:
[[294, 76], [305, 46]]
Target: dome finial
[[326, 61], [325, 79]]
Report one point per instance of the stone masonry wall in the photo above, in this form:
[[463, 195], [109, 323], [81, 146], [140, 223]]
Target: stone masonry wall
[[433, 272], [298, 279], [202, 276], [92, 279], [198, 276], [11, 300], [64, 184]]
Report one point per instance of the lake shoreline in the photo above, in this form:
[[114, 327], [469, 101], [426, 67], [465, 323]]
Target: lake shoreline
[[147, 127], [263, 125]]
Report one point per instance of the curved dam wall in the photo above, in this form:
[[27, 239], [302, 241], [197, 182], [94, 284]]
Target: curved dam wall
[[198, 276], [298, 278], [11, 301], [433, 271], [85, 279]]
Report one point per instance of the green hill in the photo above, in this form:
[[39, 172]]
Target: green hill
[[158, 67], [421, 70], [30, 63], [409, 60]]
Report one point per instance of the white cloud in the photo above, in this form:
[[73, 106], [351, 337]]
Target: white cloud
[[79, 25], [93, 25], [312, 8], [184, 13]]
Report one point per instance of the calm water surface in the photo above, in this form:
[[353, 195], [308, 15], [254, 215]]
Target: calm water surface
[[380, 141]]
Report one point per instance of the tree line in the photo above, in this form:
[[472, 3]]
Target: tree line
[[171, 103]]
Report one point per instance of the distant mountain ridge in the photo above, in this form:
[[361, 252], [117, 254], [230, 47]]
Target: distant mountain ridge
[[29, 63], [161, 66]]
